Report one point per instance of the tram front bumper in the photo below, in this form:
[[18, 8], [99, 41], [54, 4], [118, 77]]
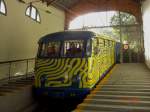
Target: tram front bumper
[[62, 92]]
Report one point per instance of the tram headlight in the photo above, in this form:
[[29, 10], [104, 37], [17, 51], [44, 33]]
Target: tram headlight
[[76, 78], [66, 76], [43, 80], [89, 77]]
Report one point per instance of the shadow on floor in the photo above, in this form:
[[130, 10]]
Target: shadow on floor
[[57, 105]]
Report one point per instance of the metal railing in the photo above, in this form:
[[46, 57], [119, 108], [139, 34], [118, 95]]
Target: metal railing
[[16, 68]]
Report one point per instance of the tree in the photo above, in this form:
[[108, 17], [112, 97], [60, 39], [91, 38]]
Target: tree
[[123, 18], [120, 20], [125, 24]]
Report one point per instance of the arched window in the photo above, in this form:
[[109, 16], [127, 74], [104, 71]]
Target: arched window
[[2, 7], [33, 13]]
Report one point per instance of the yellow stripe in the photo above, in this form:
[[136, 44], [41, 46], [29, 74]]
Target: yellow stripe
[[70, 74], [43, 62], [41, 71], [104, 81]]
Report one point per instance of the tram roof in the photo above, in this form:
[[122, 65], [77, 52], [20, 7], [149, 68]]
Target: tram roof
[[67, 35]]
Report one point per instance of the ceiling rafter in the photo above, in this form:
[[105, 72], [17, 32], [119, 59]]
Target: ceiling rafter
[[58, 3], [61, 5], [49, 2], [71, 3]]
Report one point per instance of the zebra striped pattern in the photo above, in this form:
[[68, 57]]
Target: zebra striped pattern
[[60, 72]]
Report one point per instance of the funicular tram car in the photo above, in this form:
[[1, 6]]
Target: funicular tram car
[[71, 63]]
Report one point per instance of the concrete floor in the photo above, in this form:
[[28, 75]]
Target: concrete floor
[[16, 95], [125, 89]]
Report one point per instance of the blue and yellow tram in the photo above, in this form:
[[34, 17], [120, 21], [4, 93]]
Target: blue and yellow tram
[[71, 63]]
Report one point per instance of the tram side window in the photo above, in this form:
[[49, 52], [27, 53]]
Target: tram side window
[[109, 43], [101, 42], [51, 49], [96, 47], [101, 46], [74, 48], [88, 47], [106, 43]]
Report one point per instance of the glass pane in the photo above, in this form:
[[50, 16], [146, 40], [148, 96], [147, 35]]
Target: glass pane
[[127, 19], [18, 68], [4, 70], [31, 66], [88, 48], [33, 13], [100, 19], [77, 23], [2, 7], [113, 32], [28, 11], [110, 16], [51, 49], [38, 17], [74, 48], [94, 19]]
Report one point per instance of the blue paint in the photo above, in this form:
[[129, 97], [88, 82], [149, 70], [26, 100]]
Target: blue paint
[[71, 35], [62, 92]]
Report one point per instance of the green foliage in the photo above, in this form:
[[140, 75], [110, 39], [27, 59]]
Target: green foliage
[[120, 19], [123, 18]]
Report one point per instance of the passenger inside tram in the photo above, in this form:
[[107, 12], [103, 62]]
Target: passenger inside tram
[[74, 51], [51, 51]]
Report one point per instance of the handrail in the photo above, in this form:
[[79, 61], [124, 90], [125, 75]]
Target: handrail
[[9, 75], [3, 62]]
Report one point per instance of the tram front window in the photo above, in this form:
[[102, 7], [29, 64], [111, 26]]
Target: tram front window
[[74, 48], [66, 48], [51, 49]]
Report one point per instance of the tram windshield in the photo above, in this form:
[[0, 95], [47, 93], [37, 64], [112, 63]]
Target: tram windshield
[[51, 49], [67, 48], [74, 48]]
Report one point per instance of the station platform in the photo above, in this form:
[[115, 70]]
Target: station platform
[[16, 94], [125, 89]]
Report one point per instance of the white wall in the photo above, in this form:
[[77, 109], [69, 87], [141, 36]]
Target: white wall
[[146, 28], [19, 34]]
